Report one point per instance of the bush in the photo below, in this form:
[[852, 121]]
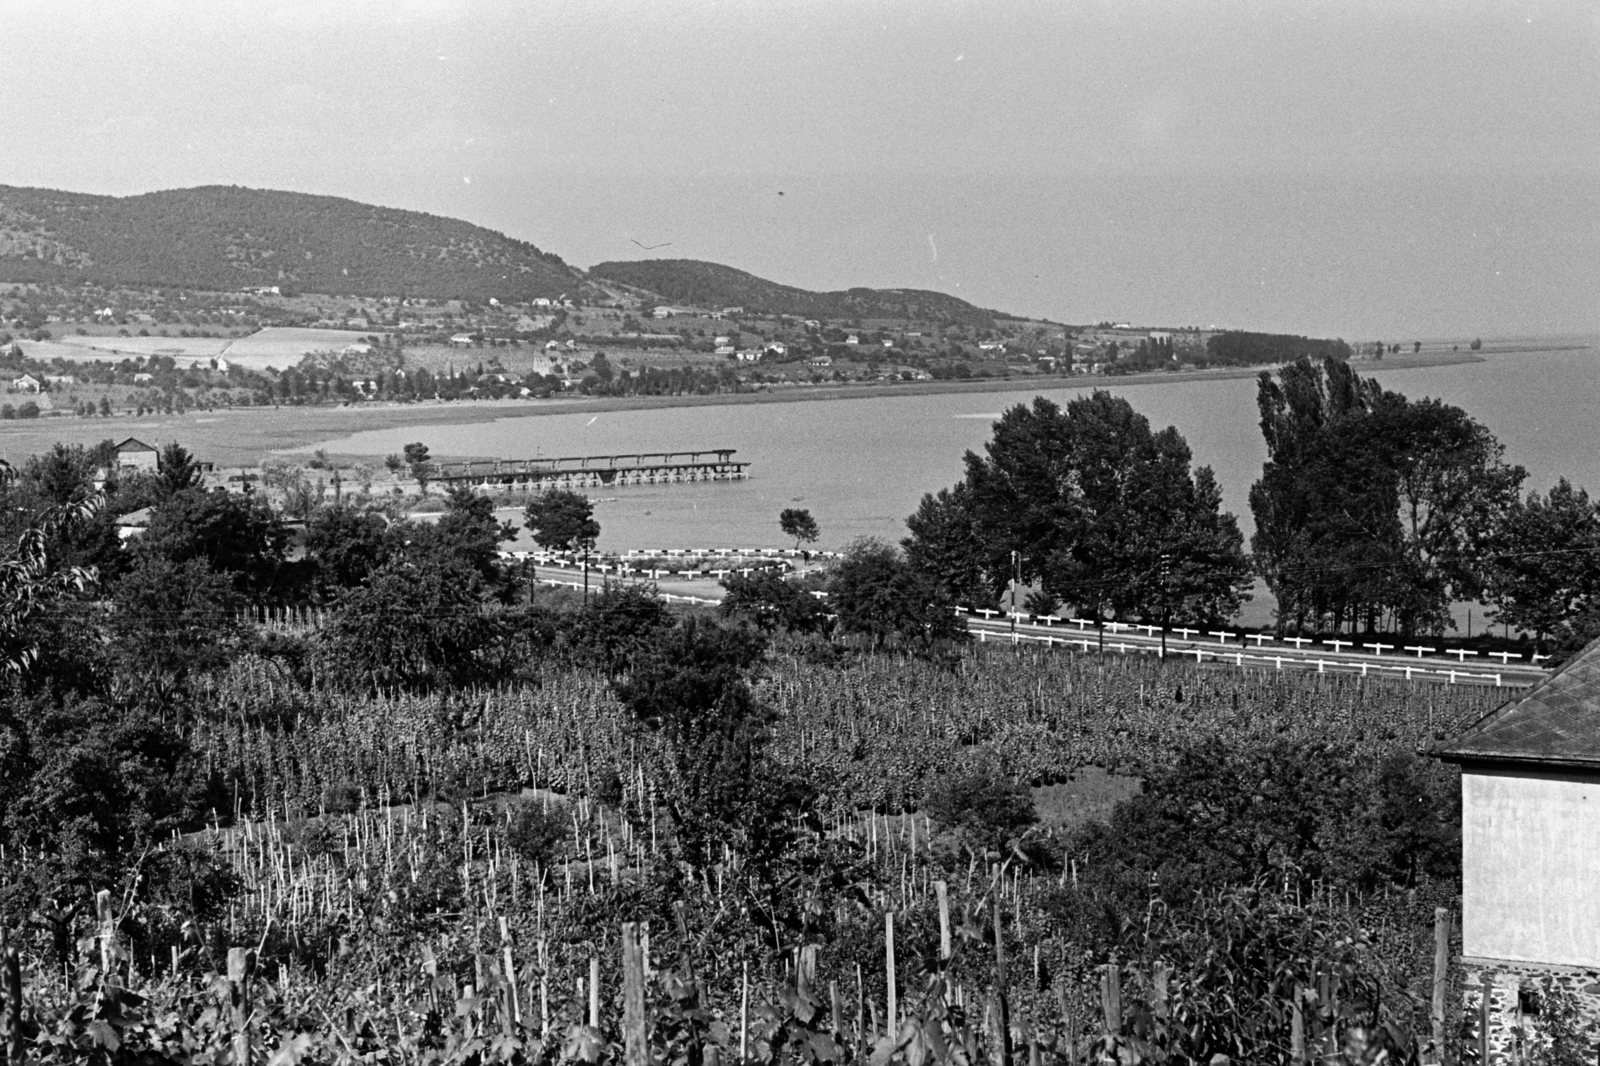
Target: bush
[[986, 810], [537, 834]]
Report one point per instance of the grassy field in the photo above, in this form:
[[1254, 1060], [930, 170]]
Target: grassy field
[[285, 346]]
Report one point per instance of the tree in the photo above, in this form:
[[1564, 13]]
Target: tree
[[874, 592], [1544, 563], [689, 690], [467, 532], [1371, 504], [562, 520], [799, 524], [1091, 500], [770, 602], [239, 536], [409, 627], [946, 544], [416, 456], [172, 620], [178, 470], [345, 544], [617, 626]]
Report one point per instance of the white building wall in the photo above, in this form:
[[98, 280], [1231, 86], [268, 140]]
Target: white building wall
[[1530, 854]]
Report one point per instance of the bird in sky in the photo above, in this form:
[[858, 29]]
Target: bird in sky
[[651, 247]]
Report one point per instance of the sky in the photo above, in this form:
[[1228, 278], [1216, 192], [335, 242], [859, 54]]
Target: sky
[[1397, 170]]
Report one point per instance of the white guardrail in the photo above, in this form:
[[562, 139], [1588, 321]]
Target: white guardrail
[[1343, 662]]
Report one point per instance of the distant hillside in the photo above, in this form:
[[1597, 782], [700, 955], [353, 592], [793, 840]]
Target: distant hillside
[[221, 237], [690, 281]]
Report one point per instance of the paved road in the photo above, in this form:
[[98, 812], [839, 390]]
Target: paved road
[[1233, 648]]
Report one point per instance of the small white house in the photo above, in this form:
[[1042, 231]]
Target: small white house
[[1530, 844], [461, 340], [26, 383]]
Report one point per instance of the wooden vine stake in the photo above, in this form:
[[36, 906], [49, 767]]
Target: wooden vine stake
[[891, 1021], [1111, 997], [1441, 979], [11, 990], [1002, 1007], [1297, 1027], [636, 1046], [1485, 1005], [239, 1001], [594, 991], [942, 891], [108, 933]]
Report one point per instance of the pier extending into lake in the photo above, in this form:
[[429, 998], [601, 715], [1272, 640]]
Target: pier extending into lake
[[593, 471]]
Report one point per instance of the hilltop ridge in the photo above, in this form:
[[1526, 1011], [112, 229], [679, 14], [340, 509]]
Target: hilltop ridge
[[226, 236], [713, 285]]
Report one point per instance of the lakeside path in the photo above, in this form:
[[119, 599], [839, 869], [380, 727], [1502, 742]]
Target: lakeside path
[[243, 436]]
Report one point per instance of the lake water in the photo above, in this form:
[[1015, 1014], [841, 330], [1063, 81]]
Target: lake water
[[861, 466]]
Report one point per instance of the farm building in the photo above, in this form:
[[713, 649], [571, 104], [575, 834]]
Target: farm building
[[1530, 846], [133, 454], [26, 383]]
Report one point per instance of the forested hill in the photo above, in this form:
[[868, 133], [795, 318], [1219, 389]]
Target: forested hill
[[218, 236], [712, 285]]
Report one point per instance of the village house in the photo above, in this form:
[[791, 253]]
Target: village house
[[133, 523], [750, 355], [723, 349], [1530, 849], [852, 339], [461, 340], [26, 383], [820, 360]]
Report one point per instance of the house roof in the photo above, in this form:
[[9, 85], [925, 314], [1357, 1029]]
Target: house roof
[[1555, 723], [134, 445]]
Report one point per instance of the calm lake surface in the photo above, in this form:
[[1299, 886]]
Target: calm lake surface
[[861, 466]]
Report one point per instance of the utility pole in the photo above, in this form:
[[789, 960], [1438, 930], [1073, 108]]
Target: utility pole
[[1016, 586], [1166, 602]]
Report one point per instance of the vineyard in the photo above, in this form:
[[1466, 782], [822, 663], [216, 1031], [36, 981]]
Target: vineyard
[[508, 873]]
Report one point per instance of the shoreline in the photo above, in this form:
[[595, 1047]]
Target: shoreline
[[496, 410], [243, 437]]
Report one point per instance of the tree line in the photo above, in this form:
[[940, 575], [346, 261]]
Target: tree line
[[1373, 512]]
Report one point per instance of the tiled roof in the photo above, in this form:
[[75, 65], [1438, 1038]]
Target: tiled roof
[[1556, 723]]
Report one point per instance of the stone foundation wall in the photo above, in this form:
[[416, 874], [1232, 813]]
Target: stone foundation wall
[[1521, 1014]]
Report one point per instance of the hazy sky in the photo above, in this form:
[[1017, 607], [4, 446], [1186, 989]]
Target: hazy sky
[[1388, 170]]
